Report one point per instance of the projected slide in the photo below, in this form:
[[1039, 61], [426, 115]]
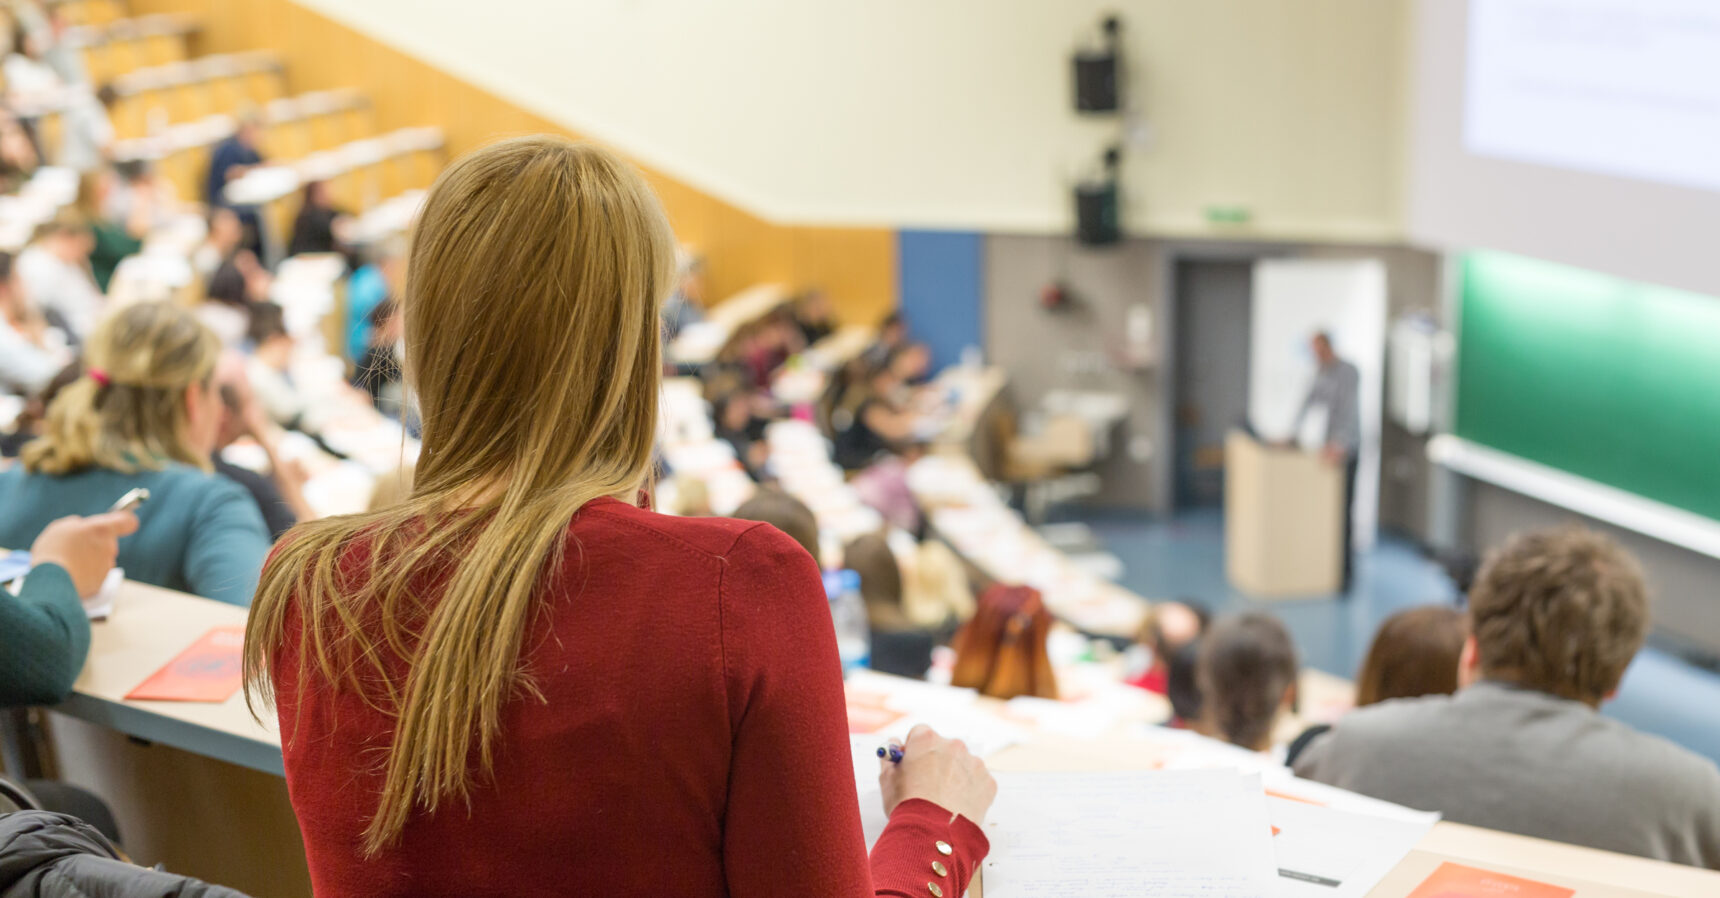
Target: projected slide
[[1629, 88]]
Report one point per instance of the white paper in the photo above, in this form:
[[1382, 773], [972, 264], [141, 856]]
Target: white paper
[[1193, 834], [1327, 853]]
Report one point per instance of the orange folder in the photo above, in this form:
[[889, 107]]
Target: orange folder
[[1458, 881], [208, 671]]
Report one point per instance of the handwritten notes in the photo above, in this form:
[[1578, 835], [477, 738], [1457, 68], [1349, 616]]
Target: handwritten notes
[[1196, 834], [208, 671]]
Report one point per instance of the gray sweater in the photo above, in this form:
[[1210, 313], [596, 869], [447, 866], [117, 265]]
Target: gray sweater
[[1527, 762]]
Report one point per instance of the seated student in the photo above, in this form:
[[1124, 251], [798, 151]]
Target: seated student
[[1415, 653], [1167, 628], [1247, 676], [18, 157], [766, 345], [45, 635], [892, 334], [898, 646], [55, 274], [30, 352], [912, 364], [145, 414], [1555, 618], [738, 425], [786, 513], [318, 225], [869, 423], [521, 682], [113, 237], [686, 303], [279, 494], [1182, 687], [225, 238], [813, 318]]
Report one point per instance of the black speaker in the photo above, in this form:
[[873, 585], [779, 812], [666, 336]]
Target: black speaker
[[1096, 81], [1097, 221]]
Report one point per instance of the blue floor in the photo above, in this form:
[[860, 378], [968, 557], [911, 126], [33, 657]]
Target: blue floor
[[1183, 557]]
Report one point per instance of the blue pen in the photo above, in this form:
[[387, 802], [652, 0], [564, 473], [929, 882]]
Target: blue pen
[[893, 752]]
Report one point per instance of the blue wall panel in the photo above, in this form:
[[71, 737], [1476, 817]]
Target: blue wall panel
[[942, 290]]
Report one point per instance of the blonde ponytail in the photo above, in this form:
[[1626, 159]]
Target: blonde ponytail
[[531, 341], [128, 410]]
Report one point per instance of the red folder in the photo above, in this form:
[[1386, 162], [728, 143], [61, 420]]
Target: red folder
[[1458, 881], [208, 671]]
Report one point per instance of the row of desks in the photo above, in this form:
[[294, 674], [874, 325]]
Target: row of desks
[[150, 626]]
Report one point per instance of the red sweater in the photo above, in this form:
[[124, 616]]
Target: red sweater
[[692, 742]]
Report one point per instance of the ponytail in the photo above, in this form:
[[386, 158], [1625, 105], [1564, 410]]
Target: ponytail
[[127, 412]]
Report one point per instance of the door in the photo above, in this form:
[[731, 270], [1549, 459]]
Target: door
[[1213, 309]]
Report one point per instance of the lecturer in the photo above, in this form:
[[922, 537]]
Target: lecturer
[[1334, 395]]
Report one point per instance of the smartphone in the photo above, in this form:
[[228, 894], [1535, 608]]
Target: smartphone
[[131, 500]]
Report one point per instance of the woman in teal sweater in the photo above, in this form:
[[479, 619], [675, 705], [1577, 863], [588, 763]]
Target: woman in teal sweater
[[44, 633], [145, 414]]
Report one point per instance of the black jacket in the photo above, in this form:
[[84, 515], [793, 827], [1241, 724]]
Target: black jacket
[[45, 855]]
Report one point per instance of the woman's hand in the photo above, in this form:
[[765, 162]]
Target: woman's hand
[[85, 547], [941, 771]]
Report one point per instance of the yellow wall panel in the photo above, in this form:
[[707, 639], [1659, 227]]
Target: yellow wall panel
[[856, 266]]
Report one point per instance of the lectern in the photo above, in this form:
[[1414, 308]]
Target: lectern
[[1283, 520]]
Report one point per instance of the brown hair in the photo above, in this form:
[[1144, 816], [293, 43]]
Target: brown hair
[[871, 557], [1415, 653], [1001, 651], [1562, 611], [532, 290], [1246, 663], [785, 513], [128, 411]]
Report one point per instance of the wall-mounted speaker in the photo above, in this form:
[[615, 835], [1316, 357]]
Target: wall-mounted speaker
[[1096, 81], [1097, 217]]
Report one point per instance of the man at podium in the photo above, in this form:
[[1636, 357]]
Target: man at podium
[[1333, 400]]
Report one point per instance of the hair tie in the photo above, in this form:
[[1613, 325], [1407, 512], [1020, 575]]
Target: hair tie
[[99, 376]]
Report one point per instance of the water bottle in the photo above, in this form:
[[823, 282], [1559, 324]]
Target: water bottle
[[848, 612]]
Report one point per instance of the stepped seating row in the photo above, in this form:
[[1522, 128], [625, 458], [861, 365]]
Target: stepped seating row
[[90, 12], [113, 49], [154, 97]]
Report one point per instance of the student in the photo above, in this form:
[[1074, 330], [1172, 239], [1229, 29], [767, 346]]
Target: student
[[30, 352], [772, 506], [230, 160], [813, 317], [869, 423], [523, 683], [112, 238], [892, 334], [1415, 653], [44, 633], [55, 274], [144, 414], [315, 229], [279, 494], [743, 431], [1169, 626], [1247, 676], [898, 646], [1555, 618]]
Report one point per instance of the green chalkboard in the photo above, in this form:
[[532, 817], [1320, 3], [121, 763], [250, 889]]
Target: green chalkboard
[[1609, 379]]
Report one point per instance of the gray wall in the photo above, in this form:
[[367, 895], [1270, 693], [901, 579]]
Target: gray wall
[[1034, 344], [1686, 607], [1038, 346]]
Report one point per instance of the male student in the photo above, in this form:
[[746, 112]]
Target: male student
[[1555, 617]]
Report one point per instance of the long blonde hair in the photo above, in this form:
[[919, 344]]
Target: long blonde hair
[[128, 411], [531, 341]]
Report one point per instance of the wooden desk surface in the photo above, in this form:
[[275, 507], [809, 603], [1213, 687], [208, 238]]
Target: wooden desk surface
[[147, 628]]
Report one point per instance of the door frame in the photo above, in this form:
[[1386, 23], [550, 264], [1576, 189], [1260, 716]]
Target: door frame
[[1167, 254]]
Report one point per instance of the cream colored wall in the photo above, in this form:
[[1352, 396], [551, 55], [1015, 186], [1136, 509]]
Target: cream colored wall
[[954, 113]]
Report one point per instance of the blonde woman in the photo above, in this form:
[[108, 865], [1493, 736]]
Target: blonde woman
[[519, 682], [145, 414]]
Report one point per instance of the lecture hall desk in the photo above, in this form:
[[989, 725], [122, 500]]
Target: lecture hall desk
[[198, 786]]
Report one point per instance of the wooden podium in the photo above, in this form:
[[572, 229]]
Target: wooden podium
[[1283, 520]]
